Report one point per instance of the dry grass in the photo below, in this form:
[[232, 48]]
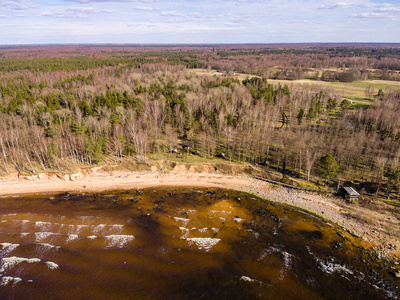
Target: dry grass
[[200, 72], [351, 90]]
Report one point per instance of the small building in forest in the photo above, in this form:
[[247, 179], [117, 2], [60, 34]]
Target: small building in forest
[[351, 193]]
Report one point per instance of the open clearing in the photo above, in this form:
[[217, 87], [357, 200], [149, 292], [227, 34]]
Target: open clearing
[[352, 90]]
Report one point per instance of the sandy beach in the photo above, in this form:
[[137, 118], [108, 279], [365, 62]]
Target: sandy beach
[[378, 225]]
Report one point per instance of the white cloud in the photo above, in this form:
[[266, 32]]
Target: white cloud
[[233, 25], [207, 21], [239, 20], [74, 12], [386, 7], [143, 8], [95, 1], [370, 15], [172, 14], [249, 2], [336, 6], [17, 5]]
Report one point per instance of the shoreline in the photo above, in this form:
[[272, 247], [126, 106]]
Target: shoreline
[[374, 226]]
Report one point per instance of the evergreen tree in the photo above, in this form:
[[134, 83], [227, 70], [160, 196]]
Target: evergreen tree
[[76, 129], [300, 116], [328, 167], [52, 153], [380, 94]]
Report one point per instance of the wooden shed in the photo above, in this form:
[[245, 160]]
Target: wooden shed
[[351, 193]]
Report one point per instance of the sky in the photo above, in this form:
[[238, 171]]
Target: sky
[[198, 21]]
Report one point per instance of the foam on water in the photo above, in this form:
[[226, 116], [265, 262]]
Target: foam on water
[[248, 279], [42, 224], [86, 218], [7, 248], [79, 228], [219, 212], [51, 265], [103, 229], [238, 220], [117, 227], [44, 247], [10, 262], [48, 245], [25, 224], [92, 237], [245, 278], [268, 251], [287, 260], [71, 237], [185, 232], [287, 263], [9, 215], [203, 243], [82, 226], [99, 228], [71, 228], [40, 236], [119, 241], [183, 220], [329, 267], [8, 279]]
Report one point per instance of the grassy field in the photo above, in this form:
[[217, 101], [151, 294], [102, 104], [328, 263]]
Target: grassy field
[[351, 90], [239, 76]]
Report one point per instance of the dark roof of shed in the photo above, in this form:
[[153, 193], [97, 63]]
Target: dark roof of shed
[[352, 192]]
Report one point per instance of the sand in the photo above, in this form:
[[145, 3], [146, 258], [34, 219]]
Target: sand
[[378, 227]]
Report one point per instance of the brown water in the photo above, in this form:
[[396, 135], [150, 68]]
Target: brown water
[[179, 244]]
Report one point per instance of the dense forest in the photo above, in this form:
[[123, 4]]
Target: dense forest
[[65, 106]]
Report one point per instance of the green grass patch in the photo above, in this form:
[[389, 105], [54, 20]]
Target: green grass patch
[[363, 84]]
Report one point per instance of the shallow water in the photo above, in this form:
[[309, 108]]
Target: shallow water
[[179, 243]]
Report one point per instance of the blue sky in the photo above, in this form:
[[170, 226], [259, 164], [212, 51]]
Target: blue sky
[[197, 21]]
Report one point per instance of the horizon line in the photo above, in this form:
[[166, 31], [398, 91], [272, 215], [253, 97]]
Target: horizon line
[[197, 44]]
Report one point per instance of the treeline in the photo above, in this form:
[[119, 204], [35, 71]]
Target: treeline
[[87, 63], [344, 64], [317, 62], [62, 118]]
